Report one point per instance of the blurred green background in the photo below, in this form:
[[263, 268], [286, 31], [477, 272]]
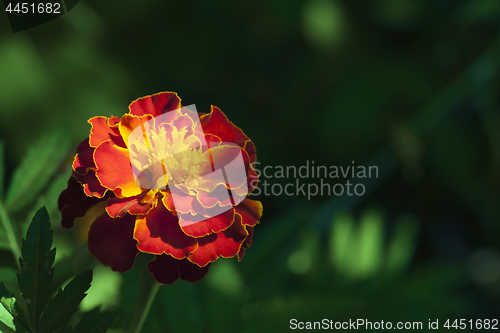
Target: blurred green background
[[410, 86]]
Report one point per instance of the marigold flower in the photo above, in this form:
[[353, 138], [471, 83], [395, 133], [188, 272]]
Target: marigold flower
[[171, 182]]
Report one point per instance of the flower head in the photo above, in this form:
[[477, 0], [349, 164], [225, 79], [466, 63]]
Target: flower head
[[166, 181]]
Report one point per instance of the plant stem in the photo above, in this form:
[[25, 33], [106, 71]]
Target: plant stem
[[11, 235], [148, 288]]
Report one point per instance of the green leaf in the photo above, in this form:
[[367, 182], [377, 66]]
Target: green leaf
[[38, 166], [36, 274], [94, 322], [66, 302], [5, 329], [10, 313]]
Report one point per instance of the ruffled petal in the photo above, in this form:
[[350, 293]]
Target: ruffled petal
[[182, 203], [250, 211], [166, 270], [140, 204], [91, 185], [156, 104], [219, 196], [212, 140], [73, 203], [212, 225], [84, 170], [159, 232], [111, 242], [251, 151], [252, 179], [246, 244], [84, 158], [228, 165], [129, 123], [216, 123], [223, 244], [168, 201], [114, 170], [104, 129]]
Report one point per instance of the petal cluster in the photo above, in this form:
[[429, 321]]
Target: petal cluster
[[152, 171]]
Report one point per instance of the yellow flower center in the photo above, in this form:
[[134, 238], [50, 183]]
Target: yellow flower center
[[164, 154]]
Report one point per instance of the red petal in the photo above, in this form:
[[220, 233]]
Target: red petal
[[84, 170], [232, 159], [140, 204], [252, 179], [190, 207], [84, 158], [112, 243], [220, 195], [129, 123], [159, 232], [246, 244], [91, 185], [214, 139], [250, 211], [168, 201], [218, 128], [155, 105], [225, 244], [183, 203], [74, 203], [185, 121], [166, 270], [216, 123], [186, 204], [104, 129], [114, 170], [251, 151], [211, 225]]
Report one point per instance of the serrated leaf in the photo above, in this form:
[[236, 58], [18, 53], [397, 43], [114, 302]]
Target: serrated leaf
[[66, 302], [35, 278], [37, 167], [10, 313], [95, 322]]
